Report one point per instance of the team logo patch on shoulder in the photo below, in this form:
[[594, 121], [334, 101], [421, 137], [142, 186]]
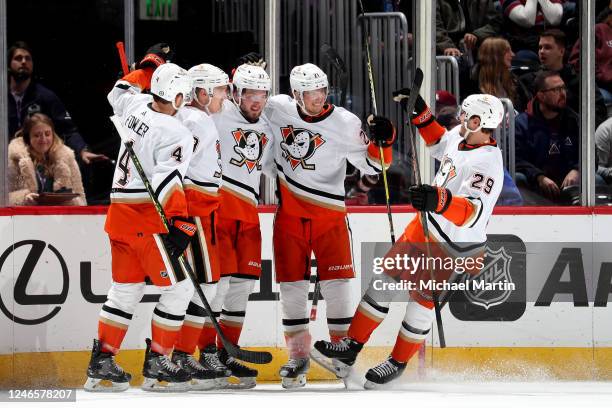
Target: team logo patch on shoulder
[[446, 172], [299, 145], [250, 146]]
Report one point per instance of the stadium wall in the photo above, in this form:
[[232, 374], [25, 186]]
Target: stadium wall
[[55, 270]]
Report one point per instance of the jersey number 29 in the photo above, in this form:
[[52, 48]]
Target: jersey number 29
[[479, 179]]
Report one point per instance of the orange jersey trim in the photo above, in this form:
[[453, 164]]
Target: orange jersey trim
[[460, 211], [236, 207], [374, 154], [126, 218], [432, 133], [140, 77], [200, 203], [306, 207]]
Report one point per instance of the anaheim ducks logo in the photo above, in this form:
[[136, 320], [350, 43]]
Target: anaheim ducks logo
[[446, 172], [249, 146], [299, 145]]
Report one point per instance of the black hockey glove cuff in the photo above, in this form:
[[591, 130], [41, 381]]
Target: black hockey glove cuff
[[179, 235], [157, 55], [382, 131], [421, 115], [430, 198], [253, 58]]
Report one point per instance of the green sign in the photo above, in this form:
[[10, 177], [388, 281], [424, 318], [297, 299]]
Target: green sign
[[160, 10]]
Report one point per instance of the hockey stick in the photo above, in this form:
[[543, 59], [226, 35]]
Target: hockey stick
[[315, 300], [375, 108], [332, 55], [122, 57], [409, 108], [257, 357]]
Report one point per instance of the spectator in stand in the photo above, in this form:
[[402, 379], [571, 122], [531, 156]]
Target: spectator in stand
[[524, 20], [26, 97], [492, 73], [603, 55], [447, 109], [603, 145], [547, 141], [469, 22], [40, 162], [551, 53]]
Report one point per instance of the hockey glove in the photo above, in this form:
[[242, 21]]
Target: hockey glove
[[253, 58], [421, 115], [178, 237], [382, 132], [157, 55], [430, 198]]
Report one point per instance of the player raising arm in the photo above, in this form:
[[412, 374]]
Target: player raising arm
[[458, 206], [141, 247]]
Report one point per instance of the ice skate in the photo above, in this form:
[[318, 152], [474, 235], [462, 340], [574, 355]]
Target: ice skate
[[103, 373], [162, 375], [293, 373], [247, 377], [210, 361], [383, 373], [202, 378], [336, 357]]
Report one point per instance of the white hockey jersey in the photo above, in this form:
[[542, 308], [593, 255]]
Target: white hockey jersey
[[164, 147], [311, 155], [246, 152], [203, 177], [475, 173]]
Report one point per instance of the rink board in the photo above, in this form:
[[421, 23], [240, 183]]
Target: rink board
[[55, 271]]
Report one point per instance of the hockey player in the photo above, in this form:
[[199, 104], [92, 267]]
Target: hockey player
[[202, 183], [315, 140], [141, 247], [246, 143], [458, 206]]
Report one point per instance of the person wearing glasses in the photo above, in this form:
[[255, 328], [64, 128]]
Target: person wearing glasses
[[547, 142]]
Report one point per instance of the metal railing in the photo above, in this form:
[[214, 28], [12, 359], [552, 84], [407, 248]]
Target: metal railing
[[504, 135], [447, 76], [390, 52]]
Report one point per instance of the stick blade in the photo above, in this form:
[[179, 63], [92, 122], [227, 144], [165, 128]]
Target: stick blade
[[255, 357], [417, 80]]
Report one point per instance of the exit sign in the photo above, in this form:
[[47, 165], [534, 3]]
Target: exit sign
[[160, 10]]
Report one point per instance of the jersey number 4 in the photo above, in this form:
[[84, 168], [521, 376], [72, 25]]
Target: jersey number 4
[[123, 166], [480, 182]]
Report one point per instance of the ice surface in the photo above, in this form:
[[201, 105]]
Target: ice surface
[[423, 394]]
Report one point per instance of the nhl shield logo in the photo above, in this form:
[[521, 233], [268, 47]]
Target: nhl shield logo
[[481, 289]]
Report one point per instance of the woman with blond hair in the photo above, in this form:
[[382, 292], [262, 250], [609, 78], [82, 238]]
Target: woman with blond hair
[[39, 162], [492, 74]]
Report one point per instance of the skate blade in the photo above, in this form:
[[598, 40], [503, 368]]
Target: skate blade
[[203, 385], [293, 383], [153, 385], [239, 383], [369, 385], [336, 367], [99, 385], [221, 382]]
